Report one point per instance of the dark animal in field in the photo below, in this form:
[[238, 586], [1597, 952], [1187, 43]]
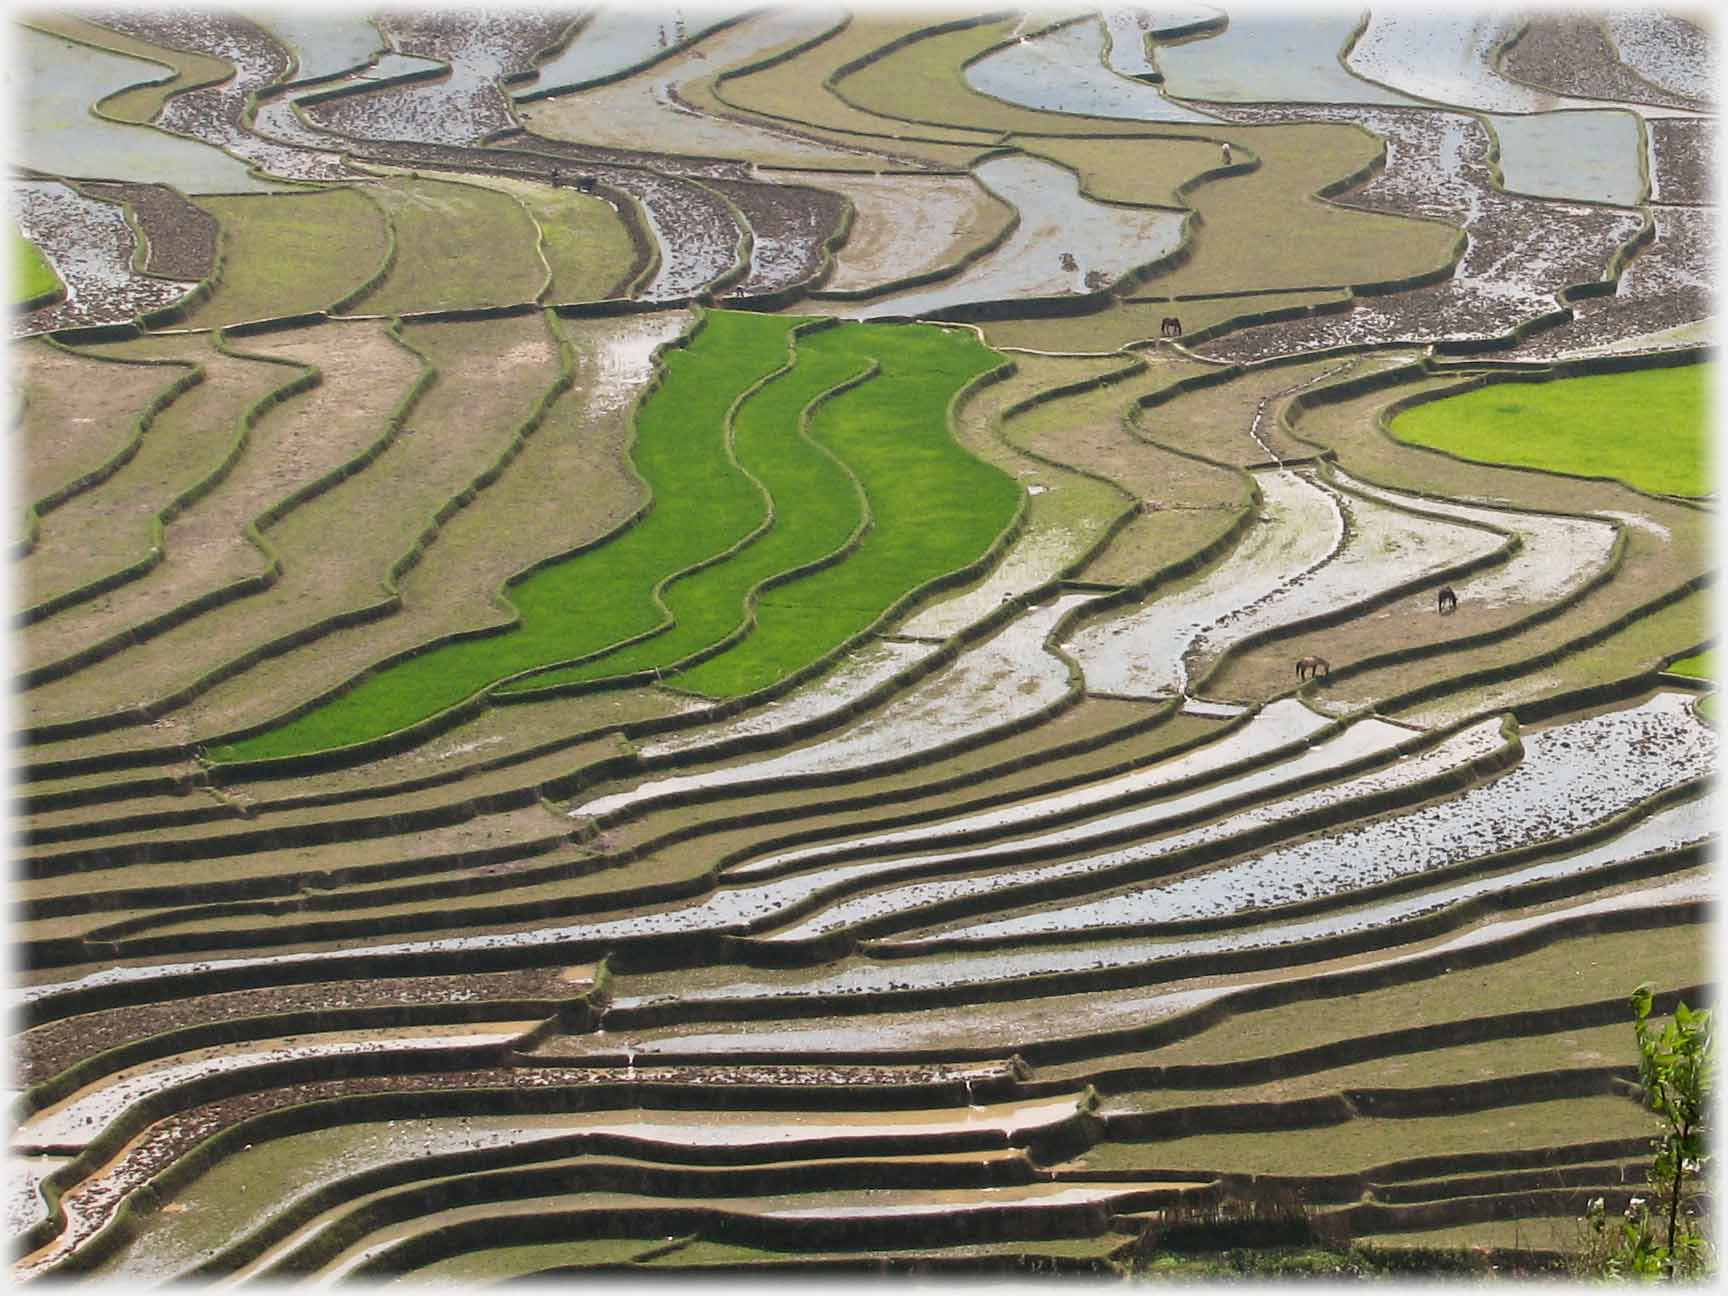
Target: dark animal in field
[[1171, 327], [1448, 600], [1312, 667]]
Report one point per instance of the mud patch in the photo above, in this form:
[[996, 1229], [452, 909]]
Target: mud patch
[[1570, 54], [92, 249], [1143, 652], [1666, 830], [1063, 237], [179, 236], [1449, 59], [1571, 777], [77, 1119], [790, 226], [907, 225], [1663, 293], [1665, 50]]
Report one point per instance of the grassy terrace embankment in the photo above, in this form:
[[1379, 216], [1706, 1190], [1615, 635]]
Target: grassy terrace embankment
[[387, 508], [712, 524], [214, 549], [100, 411], [799, 91], [584, 240], [112, 533], [289, 254], [601, 595], [436, 225]]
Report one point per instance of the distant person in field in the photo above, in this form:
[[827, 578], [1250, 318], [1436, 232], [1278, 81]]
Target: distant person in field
[[1226, 155]]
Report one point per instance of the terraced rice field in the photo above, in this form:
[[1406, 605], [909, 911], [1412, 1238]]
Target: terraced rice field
[[668, 643]]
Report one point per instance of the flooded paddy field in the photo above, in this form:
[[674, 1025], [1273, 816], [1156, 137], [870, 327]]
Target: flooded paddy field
[[216, 114], [93, 249], [322, 48], [1183, 833], [905, 226], [1532, 145], [1514, 811], [1063, 237], [60, 136], [611, 41], [1263, 57], [1145, 651], [1062, 70], [658, 110]]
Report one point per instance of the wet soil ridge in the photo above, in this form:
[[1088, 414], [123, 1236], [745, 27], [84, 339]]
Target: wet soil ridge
[[838, 642]]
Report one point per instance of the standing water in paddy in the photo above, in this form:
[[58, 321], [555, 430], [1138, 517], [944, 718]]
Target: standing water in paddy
[[1063, 71], [1057, 221], [1142, 652]]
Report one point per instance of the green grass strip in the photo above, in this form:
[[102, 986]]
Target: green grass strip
[[703, 506], [1703, 666], [33, 277], [457, 245], [1647, 428], [815, 506], [289, 254], [934, 508]]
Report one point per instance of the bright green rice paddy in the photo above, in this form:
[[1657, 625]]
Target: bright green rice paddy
[[1703, 666], [34, 276], [1647, 428], [714, 537]]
